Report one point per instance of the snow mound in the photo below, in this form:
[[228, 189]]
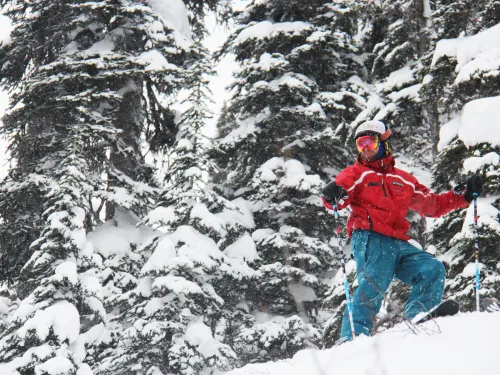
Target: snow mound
[[466, 344]]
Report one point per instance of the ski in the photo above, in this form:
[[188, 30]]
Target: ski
[[491, 304], [445, 308], [341, 341]]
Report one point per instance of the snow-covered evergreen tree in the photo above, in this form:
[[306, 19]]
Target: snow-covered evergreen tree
[[86, 80], [59, 293], [107, 61], [173, 320], [468, 86], [298, 88]]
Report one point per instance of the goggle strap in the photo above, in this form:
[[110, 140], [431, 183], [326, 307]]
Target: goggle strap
[[384, 137]]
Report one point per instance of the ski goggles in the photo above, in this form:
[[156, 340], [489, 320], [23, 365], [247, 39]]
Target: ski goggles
[[367, 142]]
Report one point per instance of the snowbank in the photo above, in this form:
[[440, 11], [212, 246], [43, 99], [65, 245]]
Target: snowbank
[[467, 344]]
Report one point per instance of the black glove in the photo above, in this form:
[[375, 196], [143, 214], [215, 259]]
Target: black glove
[[333, 193], [473, 184]]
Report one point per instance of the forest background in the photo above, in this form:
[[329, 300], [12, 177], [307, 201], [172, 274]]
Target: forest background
[[141, 234]]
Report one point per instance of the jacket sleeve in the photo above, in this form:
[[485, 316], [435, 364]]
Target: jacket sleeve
[[435, 205]]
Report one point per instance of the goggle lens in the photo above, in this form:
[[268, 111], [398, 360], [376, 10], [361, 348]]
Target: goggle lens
[[367, 142]]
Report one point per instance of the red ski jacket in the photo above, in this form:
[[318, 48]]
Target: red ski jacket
[[381, 195]]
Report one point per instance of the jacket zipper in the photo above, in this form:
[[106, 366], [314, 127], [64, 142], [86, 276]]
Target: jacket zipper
[[383, 188]]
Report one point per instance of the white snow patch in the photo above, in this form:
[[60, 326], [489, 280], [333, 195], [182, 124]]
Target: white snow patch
[[481, 122], [196, 245], [412, 92], [162, 256], [468, 48], [397, 79], [267, 169], [55, 366], [84, 369], [470, 270], [200, 335], [5, 30], [475, 163], [261, 234], [246, 128], [482, 62], [296, 177], [116, 236], [67, 270], [243, 249], [268, 61], [177, 285], [94, 336], [103, 47], [208, 219], [51, 317], [110, 240], [239, 213], [162, 216], [153, 305], [175, 15], [144, 287], [154, 60], [487, 216], [446, 351], [266, 29], [449, 131]]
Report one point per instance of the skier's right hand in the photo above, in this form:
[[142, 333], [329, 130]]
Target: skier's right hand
[[332, 193]]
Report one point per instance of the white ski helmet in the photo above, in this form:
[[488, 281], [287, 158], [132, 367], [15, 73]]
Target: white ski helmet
[[373, 127]]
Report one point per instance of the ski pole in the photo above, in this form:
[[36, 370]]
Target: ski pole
[[346, 282], [476, 251]]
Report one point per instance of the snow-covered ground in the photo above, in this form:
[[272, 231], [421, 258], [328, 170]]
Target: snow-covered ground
[[464, 344]]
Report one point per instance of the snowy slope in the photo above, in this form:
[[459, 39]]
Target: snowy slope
[[467, 344]]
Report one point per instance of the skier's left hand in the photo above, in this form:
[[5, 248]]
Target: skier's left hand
[[474, 185]]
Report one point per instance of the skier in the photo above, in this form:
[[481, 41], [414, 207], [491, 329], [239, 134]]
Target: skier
[[380, 196]]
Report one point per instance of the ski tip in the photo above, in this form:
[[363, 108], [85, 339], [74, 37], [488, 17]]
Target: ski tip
[[341, 341], [445, 308]]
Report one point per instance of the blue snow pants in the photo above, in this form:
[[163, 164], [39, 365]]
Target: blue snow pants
[[380, 258]]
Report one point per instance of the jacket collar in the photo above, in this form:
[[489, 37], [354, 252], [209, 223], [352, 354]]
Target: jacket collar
[[381, 165]]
